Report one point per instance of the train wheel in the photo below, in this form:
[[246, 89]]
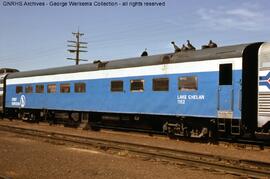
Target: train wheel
[[20, 115], [32, 117]]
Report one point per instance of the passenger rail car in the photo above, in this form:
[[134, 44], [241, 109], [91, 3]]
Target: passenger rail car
[[3, 74], [224, 90]]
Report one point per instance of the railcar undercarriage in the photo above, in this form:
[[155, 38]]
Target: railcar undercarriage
[[170, 125]]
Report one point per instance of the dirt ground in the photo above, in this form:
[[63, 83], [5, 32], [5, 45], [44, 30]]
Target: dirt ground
[[22, 157], [26, 158], [222, 149]]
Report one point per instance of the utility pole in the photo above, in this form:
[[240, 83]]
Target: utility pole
[[78, 46]]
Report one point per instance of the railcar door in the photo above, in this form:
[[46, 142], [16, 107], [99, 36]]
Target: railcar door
[[225, 91]]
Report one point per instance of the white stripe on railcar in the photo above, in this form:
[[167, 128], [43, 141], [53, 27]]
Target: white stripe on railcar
[[264, 89], [164, 69]]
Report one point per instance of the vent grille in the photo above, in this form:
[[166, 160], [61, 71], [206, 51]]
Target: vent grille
[[264, 104]]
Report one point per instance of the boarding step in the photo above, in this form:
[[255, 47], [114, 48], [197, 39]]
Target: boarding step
[[235, 126], [221, 125]]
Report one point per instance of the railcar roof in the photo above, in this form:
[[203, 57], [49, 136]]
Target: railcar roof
[[8, 70], [183, 56]]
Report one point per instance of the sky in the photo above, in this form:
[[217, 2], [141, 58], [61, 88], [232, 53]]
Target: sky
[[34, 37]]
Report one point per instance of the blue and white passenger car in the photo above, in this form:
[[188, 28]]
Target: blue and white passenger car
[[193, 93]]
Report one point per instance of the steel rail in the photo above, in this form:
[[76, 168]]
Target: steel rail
[[224, 164]]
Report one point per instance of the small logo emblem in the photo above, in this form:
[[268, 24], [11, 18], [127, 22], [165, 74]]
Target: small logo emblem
[[265, 80], [22, 101]]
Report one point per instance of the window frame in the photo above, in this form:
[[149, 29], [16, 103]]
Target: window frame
[[49, 91], [80, 91], [155, 83], [134, 81], [65, 84], [27, 87], [38, 90], [19, 91], [187, 87], [225, 74], [119, 89]]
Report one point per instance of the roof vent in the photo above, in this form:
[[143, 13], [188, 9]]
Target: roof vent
[[211, 44], [100, 64], [166, 59]]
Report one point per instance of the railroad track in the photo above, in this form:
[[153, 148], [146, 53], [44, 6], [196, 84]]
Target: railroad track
[[239, 142], [247, 168]]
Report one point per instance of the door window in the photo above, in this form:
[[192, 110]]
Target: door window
[[225, 74]]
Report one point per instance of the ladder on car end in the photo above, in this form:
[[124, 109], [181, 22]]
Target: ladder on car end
[[235, 126], [221, 125]]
